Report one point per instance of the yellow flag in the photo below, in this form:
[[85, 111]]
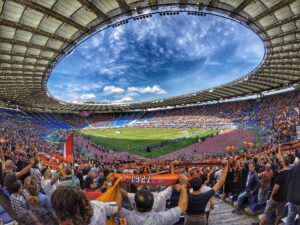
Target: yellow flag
[[110, 196]]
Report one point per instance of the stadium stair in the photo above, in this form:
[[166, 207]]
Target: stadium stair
[[222, 215]]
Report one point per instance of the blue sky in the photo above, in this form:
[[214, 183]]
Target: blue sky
[[156, 58]]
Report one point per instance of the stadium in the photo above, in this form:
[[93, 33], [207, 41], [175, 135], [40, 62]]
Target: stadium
[[149, 112]]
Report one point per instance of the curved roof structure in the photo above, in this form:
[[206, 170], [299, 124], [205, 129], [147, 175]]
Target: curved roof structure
[[36, 34]]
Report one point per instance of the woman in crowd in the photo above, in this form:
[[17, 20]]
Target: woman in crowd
[[35, 198]]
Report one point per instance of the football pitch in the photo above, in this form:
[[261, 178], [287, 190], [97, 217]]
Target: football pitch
[[136, 140]]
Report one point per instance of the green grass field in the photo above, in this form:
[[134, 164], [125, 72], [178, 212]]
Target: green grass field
[[135, 140]]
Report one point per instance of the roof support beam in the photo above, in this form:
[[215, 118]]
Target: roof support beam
[[5, 75], [153, 4], [21, 63], [30, 45], [286, 50], [285, 76], [272, 80], [213, 4], [286, 62], [281, 67], [245, 90], [282, 22], [33, 30], [123, 5], [286, 57], [241, 6], [50, 12], [213, 95], [90, 6], [297, 41], [20, 69], [3, 52], [270, 72], [261, 82], [273, 9], [243, 86], [182, 3], [226, 89], [296, 31]]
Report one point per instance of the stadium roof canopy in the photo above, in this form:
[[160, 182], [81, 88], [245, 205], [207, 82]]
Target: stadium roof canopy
[[36, 34]]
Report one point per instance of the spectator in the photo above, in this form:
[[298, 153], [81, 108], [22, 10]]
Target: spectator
[[265, 183], [197, 201], [252, 186], [293, 194], [211, 203], [9, 169], [50, 182], [143, 213], [39, 216], [17, 199], [34, 197], [91, 190], [278, 198], [73, 208]]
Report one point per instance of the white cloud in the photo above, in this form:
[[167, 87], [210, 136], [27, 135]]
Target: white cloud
[[108, 90], [88, 96], [147, 90], [72, 97], [126, 99], [95, 42], [91, 87]]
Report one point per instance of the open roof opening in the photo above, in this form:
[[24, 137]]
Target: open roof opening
[[156, 57]]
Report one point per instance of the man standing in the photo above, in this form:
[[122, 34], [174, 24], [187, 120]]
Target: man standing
[[278, 197], [293, 194], [265, 181]]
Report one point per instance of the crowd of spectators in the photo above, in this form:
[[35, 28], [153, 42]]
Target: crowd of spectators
[[66, 197], [70, 194]]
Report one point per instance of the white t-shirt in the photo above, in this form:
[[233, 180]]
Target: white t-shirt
[[204, 189], [101, 211], [160, 199], [47, 187], [218, 174]]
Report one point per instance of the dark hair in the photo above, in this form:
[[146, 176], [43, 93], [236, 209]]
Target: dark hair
[[143, 200], [45, 216], [88, 181], [286, 161], [28, 218], [44, 171], [204, 177], [38, 216], [12, 184], [106, 172], [196, 183], [292, 158], [72, 204]]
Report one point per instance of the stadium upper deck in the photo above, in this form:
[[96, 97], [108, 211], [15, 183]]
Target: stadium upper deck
[[36, 35]]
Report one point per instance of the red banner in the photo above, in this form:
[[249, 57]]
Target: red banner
[[151, 180]]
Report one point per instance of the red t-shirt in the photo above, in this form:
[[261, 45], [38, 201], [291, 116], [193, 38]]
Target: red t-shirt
[[92, 195]]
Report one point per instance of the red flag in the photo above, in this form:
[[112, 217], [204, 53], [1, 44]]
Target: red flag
[[68, 149]]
